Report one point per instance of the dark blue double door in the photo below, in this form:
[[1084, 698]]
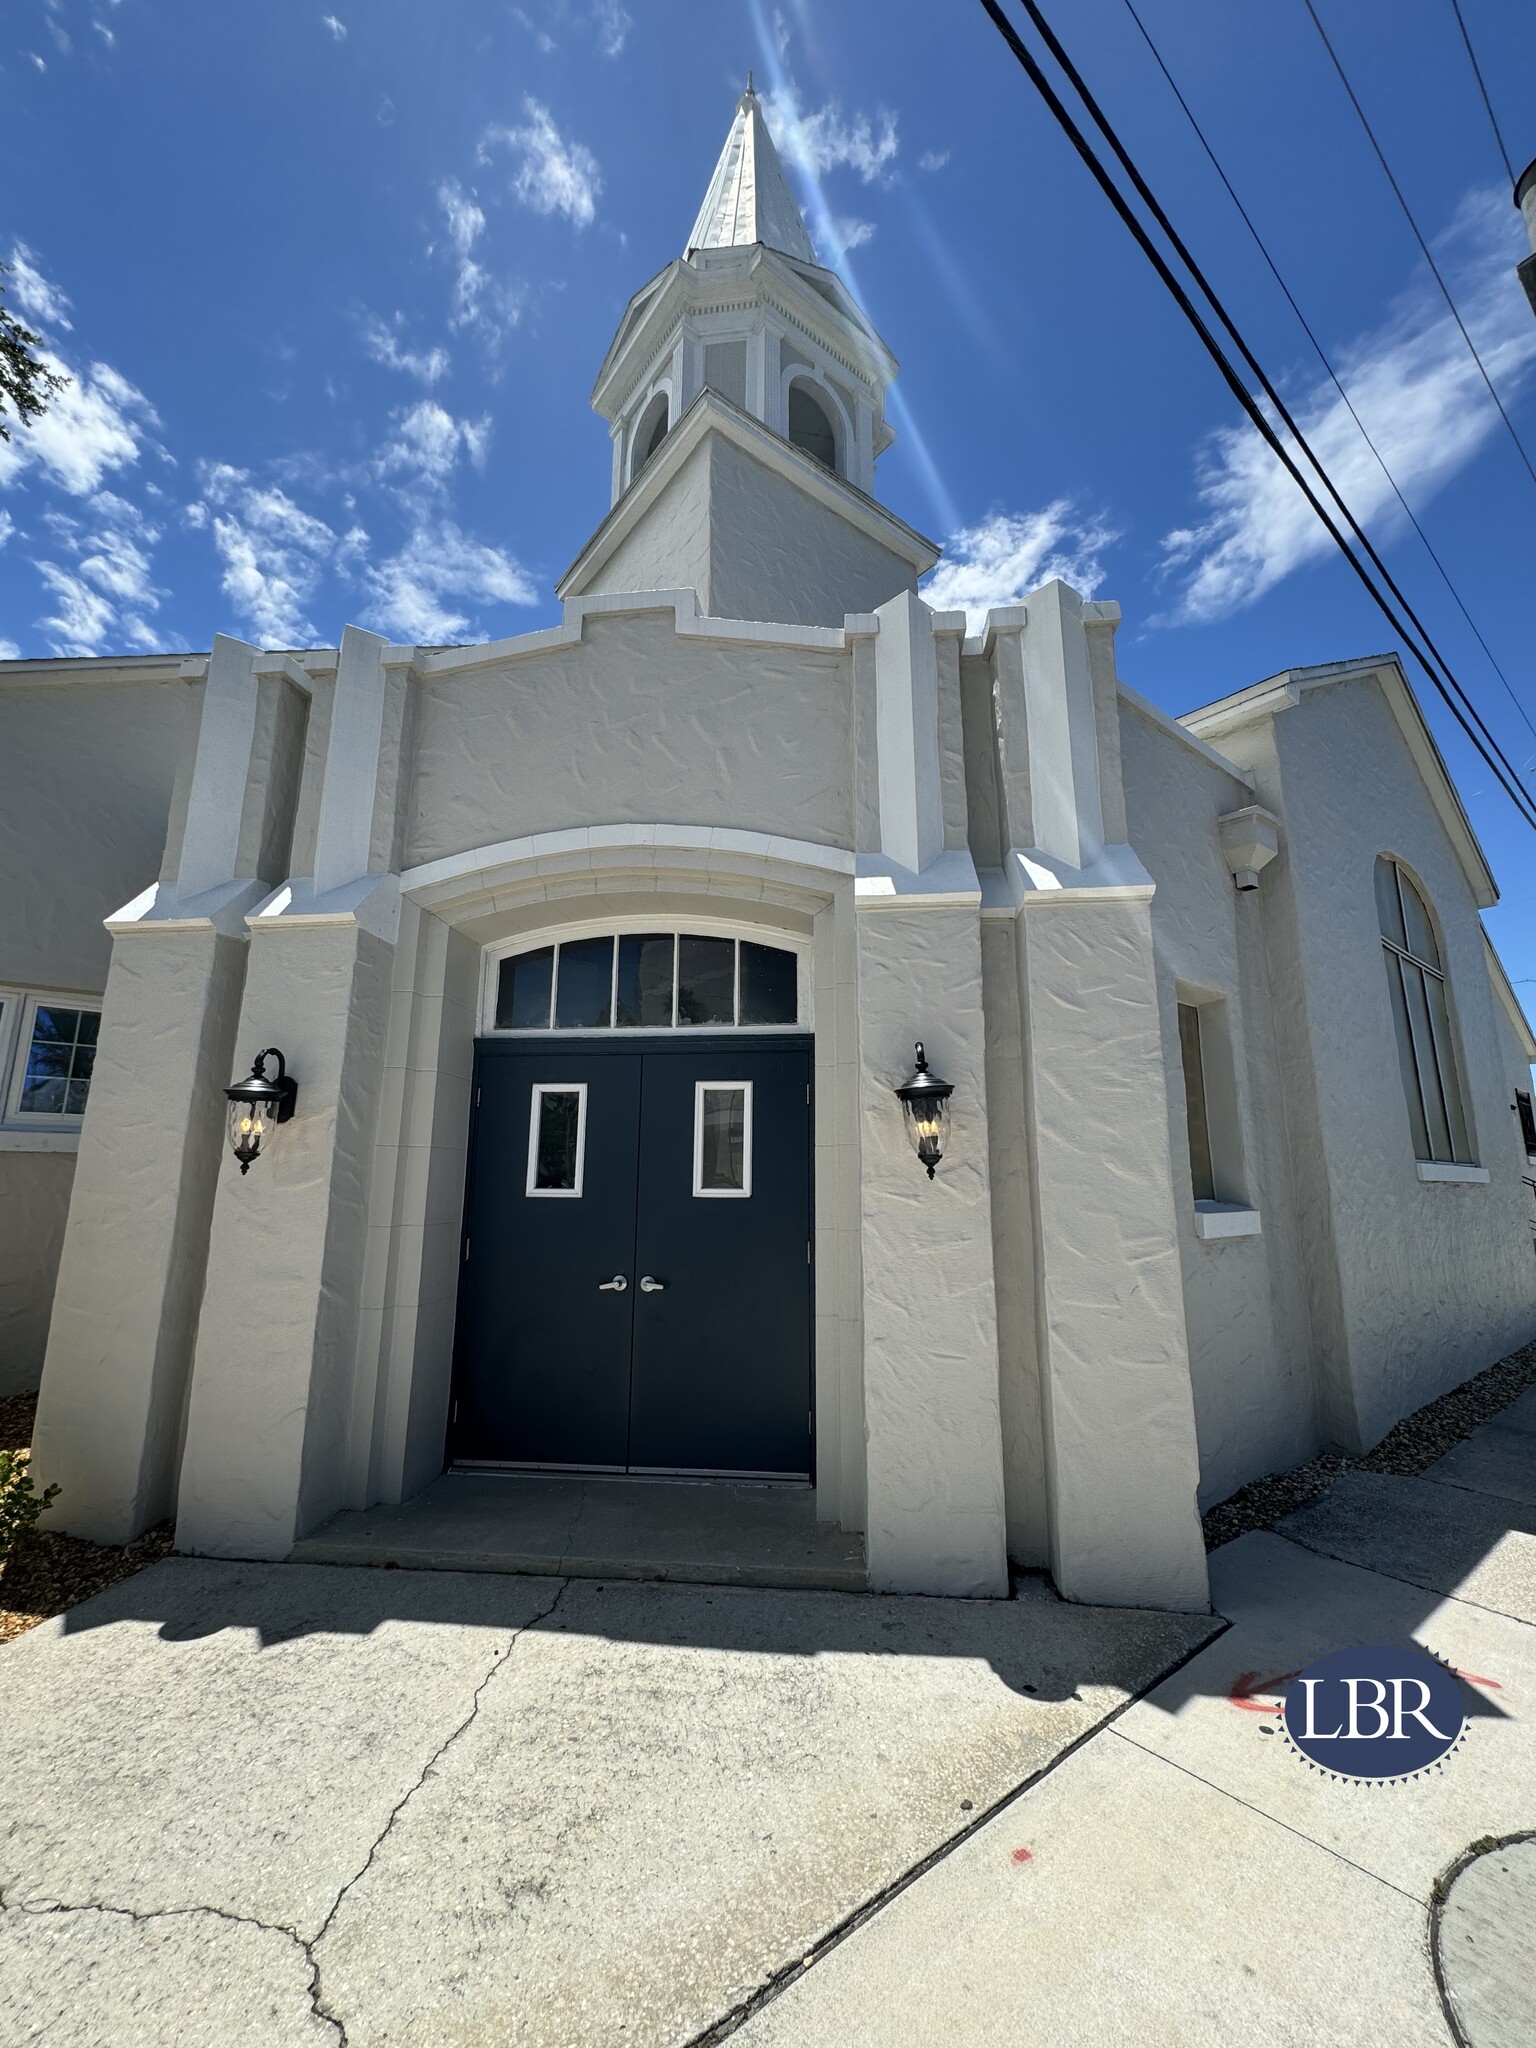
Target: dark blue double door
[[636, 1290]]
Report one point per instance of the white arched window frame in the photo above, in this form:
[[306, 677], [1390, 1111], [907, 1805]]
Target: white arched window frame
[[704, 927], [837, 418], [645, 425], [1421, 1018]]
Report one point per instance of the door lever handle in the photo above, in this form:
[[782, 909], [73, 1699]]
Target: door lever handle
[[650, 1286], [616, 1285]]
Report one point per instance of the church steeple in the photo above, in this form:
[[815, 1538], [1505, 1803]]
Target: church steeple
[[745, 342], [749, 199]]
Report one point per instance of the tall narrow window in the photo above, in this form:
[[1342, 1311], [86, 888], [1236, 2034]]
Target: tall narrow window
[[722, 1138], [1421, 1019], [1201, 1172]]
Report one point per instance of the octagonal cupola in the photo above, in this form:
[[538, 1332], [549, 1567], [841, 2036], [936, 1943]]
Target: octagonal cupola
[[747, 313]]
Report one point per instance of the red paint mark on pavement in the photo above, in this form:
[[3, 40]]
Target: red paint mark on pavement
[[1247, 1683], [1473, 1679], [1023, 1855]]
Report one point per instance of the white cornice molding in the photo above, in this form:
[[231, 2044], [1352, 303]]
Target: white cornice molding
[[710, 413], [948, 882], [54, 670], [1172, 729], [1505, 990]]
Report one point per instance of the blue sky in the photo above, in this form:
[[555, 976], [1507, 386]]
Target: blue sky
[[333, 286]]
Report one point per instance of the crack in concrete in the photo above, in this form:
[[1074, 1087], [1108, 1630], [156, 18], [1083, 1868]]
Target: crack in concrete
[[570, 1534], [43, 1910], [498, 1664]]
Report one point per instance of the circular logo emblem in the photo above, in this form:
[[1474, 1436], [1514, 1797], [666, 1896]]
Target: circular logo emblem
[[1375, 1711]]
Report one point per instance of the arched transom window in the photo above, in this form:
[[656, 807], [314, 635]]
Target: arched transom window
[[647, 981], [1421, 1015]]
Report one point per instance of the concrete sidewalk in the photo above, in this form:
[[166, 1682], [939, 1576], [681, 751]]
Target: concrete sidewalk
[[287, 1805], [258, 1804], [1183, 1878]]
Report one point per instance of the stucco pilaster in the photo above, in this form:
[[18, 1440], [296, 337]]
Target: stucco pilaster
[[1121, 1462], [267, 1424], [933, 1431]]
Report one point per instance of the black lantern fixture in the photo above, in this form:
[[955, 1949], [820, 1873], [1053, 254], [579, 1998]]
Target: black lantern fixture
[[925, 1106], [256, 1104]]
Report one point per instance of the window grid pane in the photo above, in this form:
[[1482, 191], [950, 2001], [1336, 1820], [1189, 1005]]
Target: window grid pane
[[649, 981], [57, 1077], [584, 985], [706, 981], [1445, 1066], [1200, 1170], [1424, 1062], [1405, 1059]]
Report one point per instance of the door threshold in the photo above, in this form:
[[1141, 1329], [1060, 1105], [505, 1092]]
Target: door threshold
[[647, 1475]]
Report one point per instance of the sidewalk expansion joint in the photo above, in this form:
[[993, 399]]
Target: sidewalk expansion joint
[[721, 2029]]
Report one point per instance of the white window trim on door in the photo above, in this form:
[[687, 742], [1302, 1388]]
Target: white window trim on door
[[702, 1193], [535, 1110]]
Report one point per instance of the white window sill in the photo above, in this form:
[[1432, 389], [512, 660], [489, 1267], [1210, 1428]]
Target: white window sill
[[1226, 1219], [1441, 1169], [40, 1141]]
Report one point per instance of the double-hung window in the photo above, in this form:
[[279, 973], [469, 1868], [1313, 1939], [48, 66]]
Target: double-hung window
[[1421, 1019]]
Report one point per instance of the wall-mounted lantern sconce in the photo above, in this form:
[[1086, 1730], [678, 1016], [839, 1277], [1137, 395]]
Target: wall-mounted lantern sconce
[[256, 1104], [925, 1106]]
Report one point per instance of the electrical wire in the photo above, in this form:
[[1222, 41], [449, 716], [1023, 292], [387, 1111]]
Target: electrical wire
[[1471, 725], [1151, 201], [1306, 328], [1477, 73], [1419, 238]]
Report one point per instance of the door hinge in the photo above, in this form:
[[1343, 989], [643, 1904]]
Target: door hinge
[[455, 1411], [466, 1251], [477, 1098], [807, 1094], [807, 1251]]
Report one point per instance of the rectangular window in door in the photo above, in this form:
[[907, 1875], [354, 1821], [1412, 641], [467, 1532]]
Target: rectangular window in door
[[722, 1138], [557, 1138]]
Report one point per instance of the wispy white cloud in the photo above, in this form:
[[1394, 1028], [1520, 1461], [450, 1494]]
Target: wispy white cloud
[[381, 339], [426, 444], [486, 305], [274, 553], [1419, 393], [9, 651], [7, 527], [409, 591], [554, 174], [104, 589], [851, 233], [933, 160], [612, 25], [35, 295], [337, 28], [97, 423], [1003, 557], [544, 40], [826, 141]]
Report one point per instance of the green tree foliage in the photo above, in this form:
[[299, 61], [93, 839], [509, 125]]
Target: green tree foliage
[[19, 1502], [26, 382]]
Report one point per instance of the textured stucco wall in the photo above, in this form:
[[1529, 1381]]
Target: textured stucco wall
[[931, 1406], [635, 724], [1436, 1279], [86, 771], [34, 1202], [1243, 1302], [669, 546], [131, 1279], [270, 1410], [775, 553]]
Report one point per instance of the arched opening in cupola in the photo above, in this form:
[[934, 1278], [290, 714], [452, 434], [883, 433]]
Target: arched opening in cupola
[[650, 433], [810, 427]]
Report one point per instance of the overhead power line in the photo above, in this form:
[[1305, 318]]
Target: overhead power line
[[1334, 378], [1397, 191], [1477, 73], [1469, 720]]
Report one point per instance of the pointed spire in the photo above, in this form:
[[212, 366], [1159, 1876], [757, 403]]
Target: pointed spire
[[749, 199]]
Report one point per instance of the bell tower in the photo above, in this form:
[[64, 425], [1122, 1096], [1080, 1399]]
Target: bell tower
[[745, 338]]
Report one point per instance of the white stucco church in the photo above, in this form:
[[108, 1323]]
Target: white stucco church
[[597, 954]]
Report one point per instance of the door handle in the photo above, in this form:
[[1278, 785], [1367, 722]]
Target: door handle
[[650, 1286], [616, 1285]]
